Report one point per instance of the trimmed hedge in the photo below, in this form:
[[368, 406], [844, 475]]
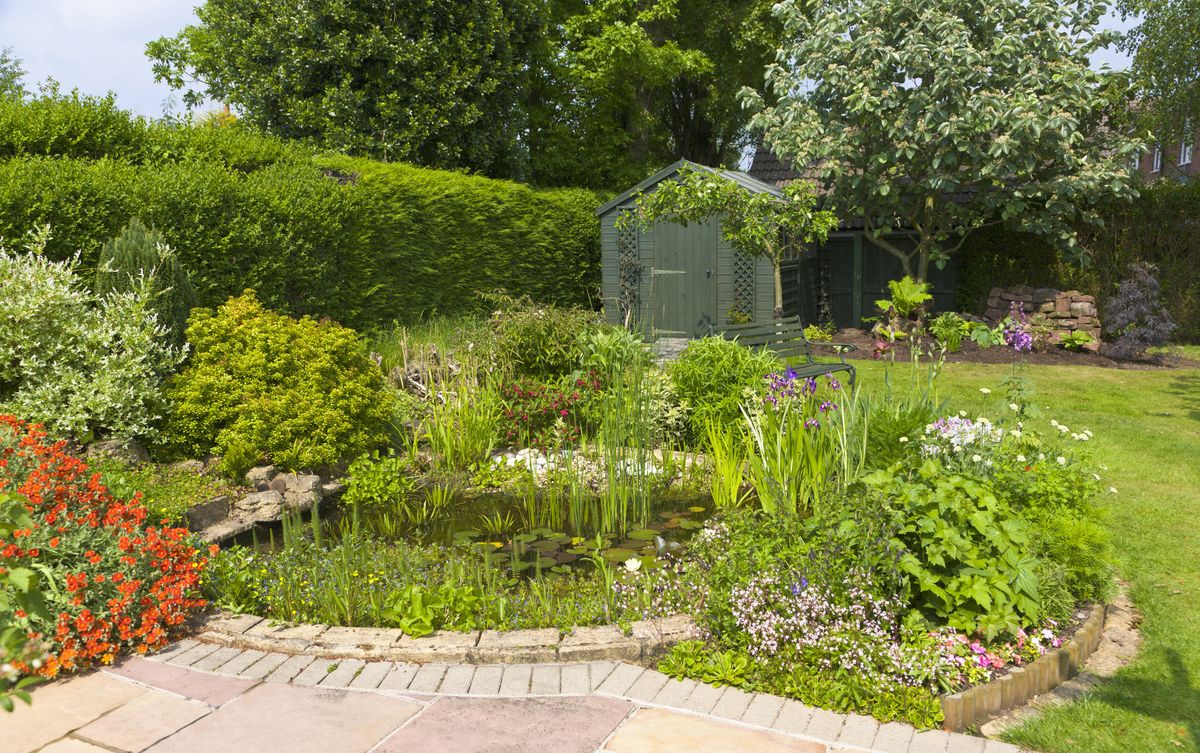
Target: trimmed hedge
[[438, 238], [1161, 227], [363, 242]]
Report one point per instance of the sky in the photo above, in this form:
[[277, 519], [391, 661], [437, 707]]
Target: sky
[[99, 45]]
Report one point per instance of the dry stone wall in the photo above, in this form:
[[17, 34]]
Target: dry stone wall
[[1064, 311]]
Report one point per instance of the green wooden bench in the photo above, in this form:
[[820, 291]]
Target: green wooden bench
[[785, 338]]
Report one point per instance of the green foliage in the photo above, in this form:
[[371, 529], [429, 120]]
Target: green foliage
[[949, 329], [141, 256], [544, 342], [946, 115], [260, 385], [711, 378], [727, 453], [968, 552], [20, 590], [1075, 340], [1164, 69], [908, 297], [166, 492], [757, 224], [11, 75], [77, 364], [377, 481], [334, 237], [419, 611], [815, 333], [440, 84], [695, 659]]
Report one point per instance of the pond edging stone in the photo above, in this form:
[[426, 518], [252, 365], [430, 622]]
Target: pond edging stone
[[647, 639]]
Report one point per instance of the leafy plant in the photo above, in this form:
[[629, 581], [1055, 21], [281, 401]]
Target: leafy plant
[[80, 365], [816, 333], [907, 300], [419, 611], [139, 257], [968, 554], [545, 415], [949, 329], [728, 456], [1075, 340], [1135, 317], [378, 481], [262, 385], [20, 598], [712, 377], [539, 341]]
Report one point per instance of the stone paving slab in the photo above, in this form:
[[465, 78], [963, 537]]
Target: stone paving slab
[[510, 725], [71, 745], [260, 669], [199, 686], [142, 722], [372, 675], [663, 731], [288, 670], [60, 707], [317, 720]]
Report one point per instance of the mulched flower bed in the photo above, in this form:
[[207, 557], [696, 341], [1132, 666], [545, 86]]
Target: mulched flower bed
[[864, 343]]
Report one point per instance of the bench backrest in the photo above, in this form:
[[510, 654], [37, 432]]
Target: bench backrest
[[784, 337]]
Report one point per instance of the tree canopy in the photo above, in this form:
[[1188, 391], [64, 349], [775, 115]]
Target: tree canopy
[[435, 82], [932, 118], [12, 74], [1166, 62], [597, 93]]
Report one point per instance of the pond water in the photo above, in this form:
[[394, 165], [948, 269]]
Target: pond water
[[527, 533]]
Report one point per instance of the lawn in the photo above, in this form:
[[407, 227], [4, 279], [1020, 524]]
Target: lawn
[[1147, 426]]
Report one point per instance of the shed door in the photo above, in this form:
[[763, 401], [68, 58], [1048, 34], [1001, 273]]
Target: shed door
[[685, 278]]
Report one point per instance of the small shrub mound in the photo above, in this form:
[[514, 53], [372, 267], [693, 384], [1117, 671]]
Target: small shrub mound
[[262, 386], [81, 364], [120, 584], [712, 377]]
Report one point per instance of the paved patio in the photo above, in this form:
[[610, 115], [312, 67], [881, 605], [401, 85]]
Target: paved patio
[[202, 697]]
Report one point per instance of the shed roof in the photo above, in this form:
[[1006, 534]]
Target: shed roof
[[745, 180]]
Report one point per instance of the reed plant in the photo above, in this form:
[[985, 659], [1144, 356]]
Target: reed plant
[[728, 456]]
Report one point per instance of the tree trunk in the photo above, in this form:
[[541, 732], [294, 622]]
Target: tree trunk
[[777, 313]]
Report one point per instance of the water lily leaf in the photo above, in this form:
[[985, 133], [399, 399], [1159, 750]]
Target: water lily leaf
[[618, 554], [696, 508], [690, 525], [645, 534]]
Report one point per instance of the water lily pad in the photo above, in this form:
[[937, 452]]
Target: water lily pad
[[524, 538], [560, 569], [696, 508], [690, 525], [618, 554], [674, 523], [564, 558], [544, 562], [645, 534], [521, 565]]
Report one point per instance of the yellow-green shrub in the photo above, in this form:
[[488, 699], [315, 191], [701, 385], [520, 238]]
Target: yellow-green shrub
[[262, 386]]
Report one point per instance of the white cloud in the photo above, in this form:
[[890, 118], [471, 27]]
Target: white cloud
[[95, 45]]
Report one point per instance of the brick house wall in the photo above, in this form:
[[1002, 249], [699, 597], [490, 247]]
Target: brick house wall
[[1171, 166]]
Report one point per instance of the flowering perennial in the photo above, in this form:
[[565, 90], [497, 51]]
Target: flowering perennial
[[124, 583]]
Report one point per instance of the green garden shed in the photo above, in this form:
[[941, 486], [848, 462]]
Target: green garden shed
[[675, 280]]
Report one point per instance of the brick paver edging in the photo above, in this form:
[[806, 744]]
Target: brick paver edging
[[643, 687], [646, 639], [976, 705]]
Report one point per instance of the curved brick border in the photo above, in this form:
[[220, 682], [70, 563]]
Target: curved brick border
[[977, 705], [646, 639]]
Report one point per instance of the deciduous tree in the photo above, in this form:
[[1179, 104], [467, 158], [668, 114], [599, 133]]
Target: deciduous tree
[[932, 118]]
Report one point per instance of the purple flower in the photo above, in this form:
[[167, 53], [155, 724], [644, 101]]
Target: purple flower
[[812, 423]]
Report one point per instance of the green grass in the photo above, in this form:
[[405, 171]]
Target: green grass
[[1147, 427], [168, 493]]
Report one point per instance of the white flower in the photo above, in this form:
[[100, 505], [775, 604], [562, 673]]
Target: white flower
[[633, 564], [1015, 432], [1084, 437], [962, 413], [1041, 456], [985, 390], [1020, 458], [1112, 490], [1054, 422], [1014, 407], [1063, 428], [1089, 433], [988, 463], [1096, 476], [902, 440], [976, 458], [1060, 460]]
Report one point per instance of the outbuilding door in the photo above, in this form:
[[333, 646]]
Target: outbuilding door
[[685, 278]]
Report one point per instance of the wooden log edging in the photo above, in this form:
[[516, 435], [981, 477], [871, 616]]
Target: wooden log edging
[[974, 706], [646, 640]]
